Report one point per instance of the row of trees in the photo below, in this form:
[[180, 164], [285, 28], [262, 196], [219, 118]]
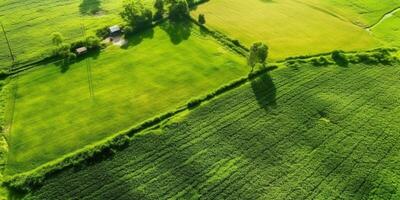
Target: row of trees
[[64, 49], [138, 17]]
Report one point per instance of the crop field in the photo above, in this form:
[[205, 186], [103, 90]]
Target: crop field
[[294, 133], [288, 27], [29, 23], [199, 99], [115, 89]]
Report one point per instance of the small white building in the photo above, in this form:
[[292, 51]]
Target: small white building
[[81, 50], [114, 30]]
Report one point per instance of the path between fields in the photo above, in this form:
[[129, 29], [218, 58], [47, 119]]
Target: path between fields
[[383, 18]]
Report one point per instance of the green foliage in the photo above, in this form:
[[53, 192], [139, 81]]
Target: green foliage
[[57, 38], [136, 14], [201, 19], [340, 58], [309, 133], [320, 61], [159, 7], [92, 42], [118, 75], [178, 10], [103, 32], [258, 54]]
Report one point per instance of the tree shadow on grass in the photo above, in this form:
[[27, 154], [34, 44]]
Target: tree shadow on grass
[[64, 67], [177, 31], [89, 6], [137, 38], [265, 91]]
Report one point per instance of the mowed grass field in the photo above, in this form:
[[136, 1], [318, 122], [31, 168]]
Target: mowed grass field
[[55, 113], [30, 23], [289, 27], [295, 133]]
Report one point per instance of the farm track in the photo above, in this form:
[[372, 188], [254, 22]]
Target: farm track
[[385, 16], [257, 143]]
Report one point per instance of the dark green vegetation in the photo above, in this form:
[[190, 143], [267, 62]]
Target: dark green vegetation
[[294, 133]]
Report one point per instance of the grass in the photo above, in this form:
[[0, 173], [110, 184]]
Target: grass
[[289, 27], [295, 133], [388, 30], [30, 23], [364, 13], [158, 71]]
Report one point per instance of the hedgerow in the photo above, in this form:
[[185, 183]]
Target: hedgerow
[[232, 44], [316, 133], [33, 179]]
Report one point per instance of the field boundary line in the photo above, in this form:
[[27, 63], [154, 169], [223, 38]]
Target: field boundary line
[[28, 180]]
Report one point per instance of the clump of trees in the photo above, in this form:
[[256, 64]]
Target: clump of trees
[[63, 49], [258, 54], [178, 9], [136, 15]]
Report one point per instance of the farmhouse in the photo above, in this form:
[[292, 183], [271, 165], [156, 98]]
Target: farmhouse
[[81, 50], [114, 30]]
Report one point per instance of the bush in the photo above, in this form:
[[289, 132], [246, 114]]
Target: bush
[[202, 19], [320, 61], [103, 32], [127, 29], [340, 58], [92, 42]]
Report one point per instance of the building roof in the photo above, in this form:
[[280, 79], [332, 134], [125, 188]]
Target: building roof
[[114, 29], [81, 50]]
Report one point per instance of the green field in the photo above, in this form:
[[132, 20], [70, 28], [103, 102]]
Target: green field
[[160, 70], [364, 13], [389, 29], [177, 113], [30, 23], [295, 133], [289, 27]]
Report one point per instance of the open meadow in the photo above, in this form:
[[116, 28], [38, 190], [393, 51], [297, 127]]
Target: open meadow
[[288, 27], [30, 23], [158, 71], [294, 133]]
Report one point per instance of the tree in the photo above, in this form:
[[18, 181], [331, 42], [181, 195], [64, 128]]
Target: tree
[[136, 15], [202, 19], [340, 58], [159, 6], [92, 42], [258, 54], [57, 38], [178, 10]]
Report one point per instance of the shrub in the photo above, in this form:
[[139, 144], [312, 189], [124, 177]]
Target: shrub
[[103, 32], [202, 19], [320, 61], [340, 58], [127, 29], [92, 42]]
